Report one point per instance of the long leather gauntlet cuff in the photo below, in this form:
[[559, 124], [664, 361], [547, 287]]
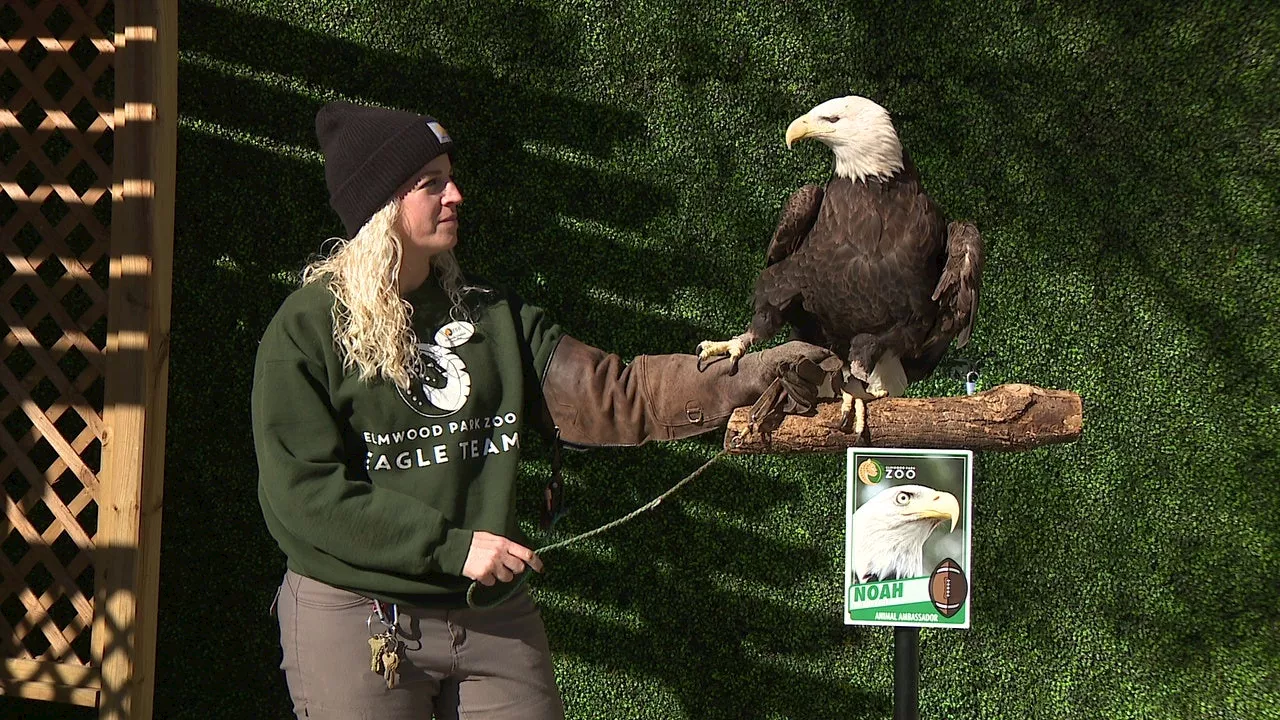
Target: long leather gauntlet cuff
[[596, 400]]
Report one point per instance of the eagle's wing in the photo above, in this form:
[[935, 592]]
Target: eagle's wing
[[795, 222], [961, 282]]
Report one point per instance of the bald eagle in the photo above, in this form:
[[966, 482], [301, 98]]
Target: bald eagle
[[868, 266], [890, 529]]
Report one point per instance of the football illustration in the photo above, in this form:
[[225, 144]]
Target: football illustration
[[948, 587]]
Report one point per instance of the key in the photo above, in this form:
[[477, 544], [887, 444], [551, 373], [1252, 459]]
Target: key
[[377, 646], [391, 661]]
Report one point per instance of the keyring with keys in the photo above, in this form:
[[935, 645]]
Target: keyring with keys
[[385, 647]]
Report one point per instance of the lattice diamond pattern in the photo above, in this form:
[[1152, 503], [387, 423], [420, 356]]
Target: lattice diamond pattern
[[55, 183]]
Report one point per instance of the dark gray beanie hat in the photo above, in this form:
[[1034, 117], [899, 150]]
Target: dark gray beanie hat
[[369, 152]]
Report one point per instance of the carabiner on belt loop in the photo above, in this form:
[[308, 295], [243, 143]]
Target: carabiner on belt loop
[[394, 625]]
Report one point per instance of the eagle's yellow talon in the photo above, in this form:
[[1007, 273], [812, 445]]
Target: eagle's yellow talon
[[708, 350], [853, 415]]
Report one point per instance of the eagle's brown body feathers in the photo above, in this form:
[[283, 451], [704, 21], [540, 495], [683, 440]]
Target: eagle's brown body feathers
[[861, 260]]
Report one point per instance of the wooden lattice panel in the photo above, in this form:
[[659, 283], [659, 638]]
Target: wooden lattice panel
[[56, 84]]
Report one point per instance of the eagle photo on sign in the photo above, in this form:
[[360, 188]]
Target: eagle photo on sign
[[890, 530]]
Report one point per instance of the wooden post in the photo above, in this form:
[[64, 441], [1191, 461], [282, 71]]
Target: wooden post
[[1006, 417], [137, 364]]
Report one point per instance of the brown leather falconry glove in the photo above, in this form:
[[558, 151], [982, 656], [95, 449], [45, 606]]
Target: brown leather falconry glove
[[596, 400]]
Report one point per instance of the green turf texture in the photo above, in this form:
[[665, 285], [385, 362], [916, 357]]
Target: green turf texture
[[623, 165]]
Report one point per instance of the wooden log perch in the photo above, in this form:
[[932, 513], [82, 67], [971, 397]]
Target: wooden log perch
[[1005, 418]]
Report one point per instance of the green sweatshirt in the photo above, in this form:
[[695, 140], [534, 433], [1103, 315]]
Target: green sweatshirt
[[376, 490]]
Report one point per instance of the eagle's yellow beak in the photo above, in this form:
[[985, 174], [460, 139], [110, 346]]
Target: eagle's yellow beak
[[940, 505], [799, 129]]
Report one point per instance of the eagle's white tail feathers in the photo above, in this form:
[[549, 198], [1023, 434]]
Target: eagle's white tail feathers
[[888, 379]]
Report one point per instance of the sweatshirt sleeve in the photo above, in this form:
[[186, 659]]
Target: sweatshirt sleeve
[[539, 338], [305, 487], [541, 335]]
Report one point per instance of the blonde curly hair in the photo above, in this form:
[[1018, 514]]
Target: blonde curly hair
[[372, 324]]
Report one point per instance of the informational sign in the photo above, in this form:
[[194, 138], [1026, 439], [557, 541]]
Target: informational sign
[[908, 537]]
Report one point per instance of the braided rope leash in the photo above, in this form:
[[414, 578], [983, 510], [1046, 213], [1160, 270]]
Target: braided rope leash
[[525, 574]]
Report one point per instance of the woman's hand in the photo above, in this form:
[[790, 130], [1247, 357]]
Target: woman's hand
[[493, 558]]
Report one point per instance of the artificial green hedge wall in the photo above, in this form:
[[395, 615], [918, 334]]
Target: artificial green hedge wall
[[623, 165]]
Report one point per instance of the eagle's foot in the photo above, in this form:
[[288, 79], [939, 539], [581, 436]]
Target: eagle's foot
[[853, 415], [708, 350]]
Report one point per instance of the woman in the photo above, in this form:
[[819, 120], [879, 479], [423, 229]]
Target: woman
[[388, 401]]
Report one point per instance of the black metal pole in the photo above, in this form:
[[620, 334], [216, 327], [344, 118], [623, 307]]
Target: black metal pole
[[906, 640], [906, 673]]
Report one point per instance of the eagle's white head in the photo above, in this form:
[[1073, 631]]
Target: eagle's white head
[[890, 529], [858, 131]]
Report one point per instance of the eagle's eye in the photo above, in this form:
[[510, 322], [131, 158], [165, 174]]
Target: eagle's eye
[[830, 119], [902, 499]]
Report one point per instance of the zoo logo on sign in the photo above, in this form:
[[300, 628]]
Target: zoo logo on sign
[[872, 471], [444, 384]]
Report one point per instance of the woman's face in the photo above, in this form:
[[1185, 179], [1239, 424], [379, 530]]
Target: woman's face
[[428, 223]]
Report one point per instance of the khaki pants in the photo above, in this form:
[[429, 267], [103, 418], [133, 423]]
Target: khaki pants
[[491, 663]]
